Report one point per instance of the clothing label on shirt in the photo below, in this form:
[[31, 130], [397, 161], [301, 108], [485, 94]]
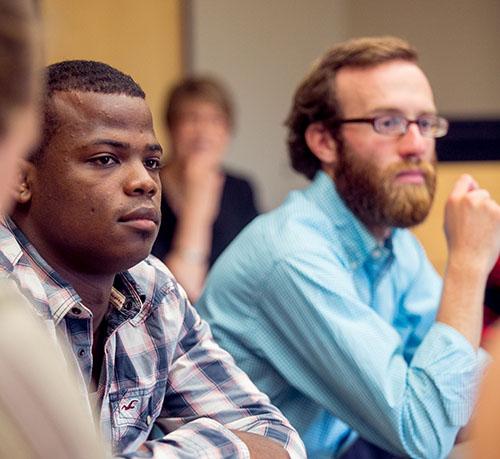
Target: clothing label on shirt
[[135, 408]]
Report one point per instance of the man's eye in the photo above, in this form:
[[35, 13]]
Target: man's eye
[[152, 163], [104, 160], [390, 121], [426, 123]]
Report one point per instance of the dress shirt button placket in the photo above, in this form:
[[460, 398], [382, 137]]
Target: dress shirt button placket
[[79, 328]]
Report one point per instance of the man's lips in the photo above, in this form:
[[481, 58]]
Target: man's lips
[[415, 176], [143, 218]]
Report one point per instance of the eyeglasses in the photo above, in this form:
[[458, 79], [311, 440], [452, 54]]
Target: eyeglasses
[[395, 125]]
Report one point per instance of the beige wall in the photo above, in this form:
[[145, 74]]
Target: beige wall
[[262, 49], [141, 38], [458, 42]]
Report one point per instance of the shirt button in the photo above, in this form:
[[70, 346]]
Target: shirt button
[[76, 311], [81, 353], [376, 253], [148, 420]]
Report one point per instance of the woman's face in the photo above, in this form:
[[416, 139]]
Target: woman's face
[[201, 128]]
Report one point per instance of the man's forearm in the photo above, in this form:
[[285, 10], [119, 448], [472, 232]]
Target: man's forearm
[[205, 438], [462, 300]]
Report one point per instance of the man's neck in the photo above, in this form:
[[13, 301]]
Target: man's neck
[[93, 289], [380, 233]]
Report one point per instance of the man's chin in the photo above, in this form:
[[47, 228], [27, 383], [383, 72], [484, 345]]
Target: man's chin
[[409, 184], [409, 215], [134, 256]]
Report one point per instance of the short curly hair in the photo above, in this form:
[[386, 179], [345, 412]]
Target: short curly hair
[[84, 76], [315, 99]]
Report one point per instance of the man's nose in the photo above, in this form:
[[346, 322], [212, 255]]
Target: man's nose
[[140, 180], [412, 143]]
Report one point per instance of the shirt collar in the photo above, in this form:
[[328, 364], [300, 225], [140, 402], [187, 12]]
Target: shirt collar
[[11, 250], [125, 294], [20, 244], [359, 244]]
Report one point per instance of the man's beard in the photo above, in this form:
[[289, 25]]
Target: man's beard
[[375, 198]]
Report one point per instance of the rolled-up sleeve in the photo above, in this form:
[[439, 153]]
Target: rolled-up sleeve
[[354, 364]]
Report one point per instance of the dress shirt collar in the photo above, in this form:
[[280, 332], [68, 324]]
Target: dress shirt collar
[[360, 245]]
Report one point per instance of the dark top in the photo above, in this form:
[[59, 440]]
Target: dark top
[[237, 209]]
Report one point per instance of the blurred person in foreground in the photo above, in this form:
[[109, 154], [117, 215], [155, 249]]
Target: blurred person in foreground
[[41, 414], [329, 302], [86, 216], [203, 205]]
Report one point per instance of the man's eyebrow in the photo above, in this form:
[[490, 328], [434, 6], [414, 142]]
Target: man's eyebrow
[[111, 143], [125, 145], [396, 111], [154, 147]]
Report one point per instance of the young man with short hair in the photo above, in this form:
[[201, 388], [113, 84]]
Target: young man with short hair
[[78, 241], [328, 302]]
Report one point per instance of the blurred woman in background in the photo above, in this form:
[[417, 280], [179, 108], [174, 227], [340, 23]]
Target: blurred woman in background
[[203, 206]]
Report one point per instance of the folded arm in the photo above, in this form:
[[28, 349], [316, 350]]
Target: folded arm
[[213, 410], [354, 364]]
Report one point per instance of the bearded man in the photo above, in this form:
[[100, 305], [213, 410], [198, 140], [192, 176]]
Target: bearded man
[[328, 302]]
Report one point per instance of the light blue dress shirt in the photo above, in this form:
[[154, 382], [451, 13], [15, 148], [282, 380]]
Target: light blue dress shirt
[[340, 331]]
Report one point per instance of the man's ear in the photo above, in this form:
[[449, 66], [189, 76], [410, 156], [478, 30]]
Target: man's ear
[[322, 144], [24, 185]]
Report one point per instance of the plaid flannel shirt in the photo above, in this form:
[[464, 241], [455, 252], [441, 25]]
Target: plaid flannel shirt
[[161, 364]]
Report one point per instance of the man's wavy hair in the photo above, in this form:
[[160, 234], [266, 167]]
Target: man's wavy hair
[[315, 99]]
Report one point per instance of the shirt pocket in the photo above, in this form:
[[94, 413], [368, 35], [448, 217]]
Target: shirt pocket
[[133, 412]]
